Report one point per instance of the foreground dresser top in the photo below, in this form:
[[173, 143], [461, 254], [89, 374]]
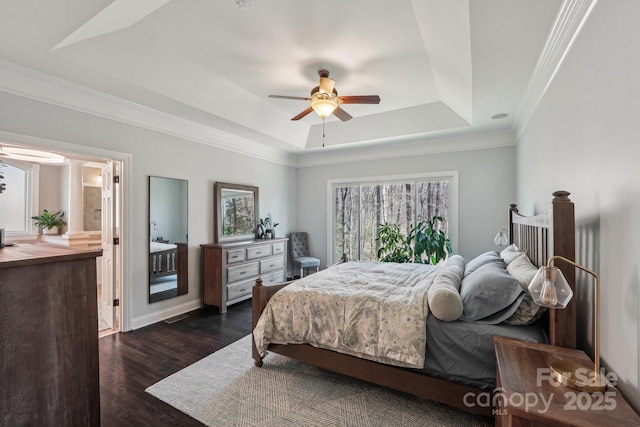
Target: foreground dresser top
[[32, 253]]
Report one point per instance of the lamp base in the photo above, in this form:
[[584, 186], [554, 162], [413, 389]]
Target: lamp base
[[578, 377]]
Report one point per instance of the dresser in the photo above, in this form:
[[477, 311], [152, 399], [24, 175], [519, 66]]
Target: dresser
[[229, 270], [49, 341]]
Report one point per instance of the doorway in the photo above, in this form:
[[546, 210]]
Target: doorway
[[101, 203]]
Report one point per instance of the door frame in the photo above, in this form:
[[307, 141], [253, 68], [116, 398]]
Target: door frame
[[125, 290]]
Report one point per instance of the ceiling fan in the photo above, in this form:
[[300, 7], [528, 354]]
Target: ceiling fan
[[325, 100]]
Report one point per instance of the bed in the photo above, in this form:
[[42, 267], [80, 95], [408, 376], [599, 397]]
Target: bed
[[441, 379], [162, 259]]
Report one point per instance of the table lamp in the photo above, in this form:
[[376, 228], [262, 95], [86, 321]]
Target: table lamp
[[550, 289]]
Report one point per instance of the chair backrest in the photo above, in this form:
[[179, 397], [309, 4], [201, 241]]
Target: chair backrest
[[299, 244]]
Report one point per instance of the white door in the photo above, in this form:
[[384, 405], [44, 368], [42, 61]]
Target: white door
[[109, 264]]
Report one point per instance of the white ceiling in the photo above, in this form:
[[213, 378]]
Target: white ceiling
[[440, 67]]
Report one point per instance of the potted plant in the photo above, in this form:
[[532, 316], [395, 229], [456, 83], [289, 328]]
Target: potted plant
[[269, 226], [425, 243], [50, 222]]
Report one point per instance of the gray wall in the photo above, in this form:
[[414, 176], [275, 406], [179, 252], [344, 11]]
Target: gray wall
[[583, 138], [486, 181]]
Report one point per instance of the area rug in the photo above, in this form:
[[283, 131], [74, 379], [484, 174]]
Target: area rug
[[226, 389]]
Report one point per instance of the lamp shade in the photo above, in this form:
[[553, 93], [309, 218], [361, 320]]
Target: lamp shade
[[501, 238], [323, 106], [550, 289]]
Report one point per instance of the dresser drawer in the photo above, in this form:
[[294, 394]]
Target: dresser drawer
[[258, 251], [271, 264], [239, 289], [235, 255], [278, 248], [273, 278], [244, 271]]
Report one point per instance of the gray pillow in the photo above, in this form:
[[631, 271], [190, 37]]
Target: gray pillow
[[480, 260], [490, 294]]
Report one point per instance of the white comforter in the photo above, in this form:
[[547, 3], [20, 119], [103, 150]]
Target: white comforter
[[375, 311]]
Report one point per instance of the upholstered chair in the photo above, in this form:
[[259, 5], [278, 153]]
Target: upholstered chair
[[299, 243]]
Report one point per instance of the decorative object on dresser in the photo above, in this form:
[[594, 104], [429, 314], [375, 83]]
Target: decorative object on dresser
[[236, 212], [554, 229], [230, 269], [49, 341], [528, 395], [269, 226], [550, 289], [50, 222]]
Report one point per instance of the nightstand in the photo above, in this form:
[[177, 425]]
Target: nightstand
[[527, 395]]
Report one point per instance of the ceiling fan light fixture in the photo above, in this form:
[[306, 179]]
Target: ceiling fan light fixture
[[323, 106]]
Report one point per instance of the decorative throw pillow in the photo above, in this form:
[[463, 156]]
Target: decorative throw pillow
[[480, 260], [444, 298], [490, 294], [527, 312], [510, 253]]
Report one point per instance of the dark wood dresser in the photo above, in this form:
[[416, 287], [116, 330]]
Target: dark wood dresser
[[49, 373]]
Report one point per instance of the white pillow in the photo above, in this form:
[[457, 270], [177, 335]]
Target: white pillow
[[444, 298], [527, 312], [510, 253]]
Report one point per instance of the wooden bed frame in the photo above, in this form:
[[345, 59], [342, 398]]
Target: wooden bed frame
[[550, 233]]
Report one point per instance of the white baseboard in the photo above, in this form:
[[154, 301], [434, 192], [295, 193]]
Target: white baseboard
[[158, 316]]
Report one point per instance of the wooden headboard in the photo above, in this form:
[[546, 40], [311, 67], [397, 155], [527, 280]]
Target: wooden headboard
[[542, 236]]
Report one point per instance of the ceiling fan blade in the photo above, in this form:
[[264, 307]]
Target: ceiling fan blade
[[360, 99], [304, 113], [341, 114], [301, 98], [326, 85]]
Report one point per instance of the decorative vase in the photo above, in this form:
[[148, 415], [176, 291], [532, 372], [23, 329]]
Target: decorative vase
[[54, 231], [259, 232], [271, 233]]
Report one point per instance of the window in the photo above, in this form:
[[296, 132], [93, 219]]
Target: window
[[18, 195], [358, 208]]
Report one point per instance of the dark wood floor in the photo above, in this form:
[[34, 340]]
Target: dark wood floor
[[132, 361]]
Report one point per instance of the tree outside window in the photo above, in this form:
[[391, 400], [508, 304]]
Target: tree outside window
[[360, 208]]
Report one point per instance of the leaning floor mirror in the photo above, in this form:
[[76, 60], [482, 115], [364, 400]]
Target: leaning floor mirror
[[168, 236]]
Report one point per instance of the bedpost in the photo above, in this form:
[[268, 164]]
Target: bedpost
[[562, 323], [513, 208], [259, 302]]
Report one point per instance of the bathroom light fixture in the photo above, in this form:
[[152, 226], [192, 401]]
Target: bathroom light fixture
[[29, 154]]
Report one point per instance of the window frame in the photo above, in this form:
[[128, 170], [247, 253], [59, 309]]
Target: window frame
[[32, 188], [450, 176]]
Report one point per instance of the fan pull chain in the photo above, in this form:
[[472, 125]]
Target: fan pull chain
[[323, 132]]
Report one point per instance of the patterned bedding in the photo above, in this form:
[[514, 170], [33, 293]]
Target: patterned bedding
[[375, 311]]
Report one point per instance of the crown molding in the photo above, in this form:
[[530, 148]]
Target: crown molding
[[420, 146], [28, 83], [571, 17]]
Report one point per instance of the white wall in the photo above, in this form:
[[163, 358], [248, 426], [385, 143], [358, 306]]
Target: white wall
[[486, 188], [158, 154], [583, 138]]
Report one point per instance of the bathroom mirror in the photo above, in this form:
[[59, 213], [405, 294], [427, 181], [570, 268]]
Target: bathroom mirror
[[168, 236], [236, 211]]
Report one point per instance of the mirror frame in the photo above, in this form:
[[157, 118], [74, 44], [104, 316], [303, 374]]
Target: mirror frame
[[217, 210], [182, 260]]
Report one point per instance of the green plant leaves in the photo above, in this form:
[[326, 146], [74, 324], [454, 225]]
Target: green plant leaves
[[425, 243]]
